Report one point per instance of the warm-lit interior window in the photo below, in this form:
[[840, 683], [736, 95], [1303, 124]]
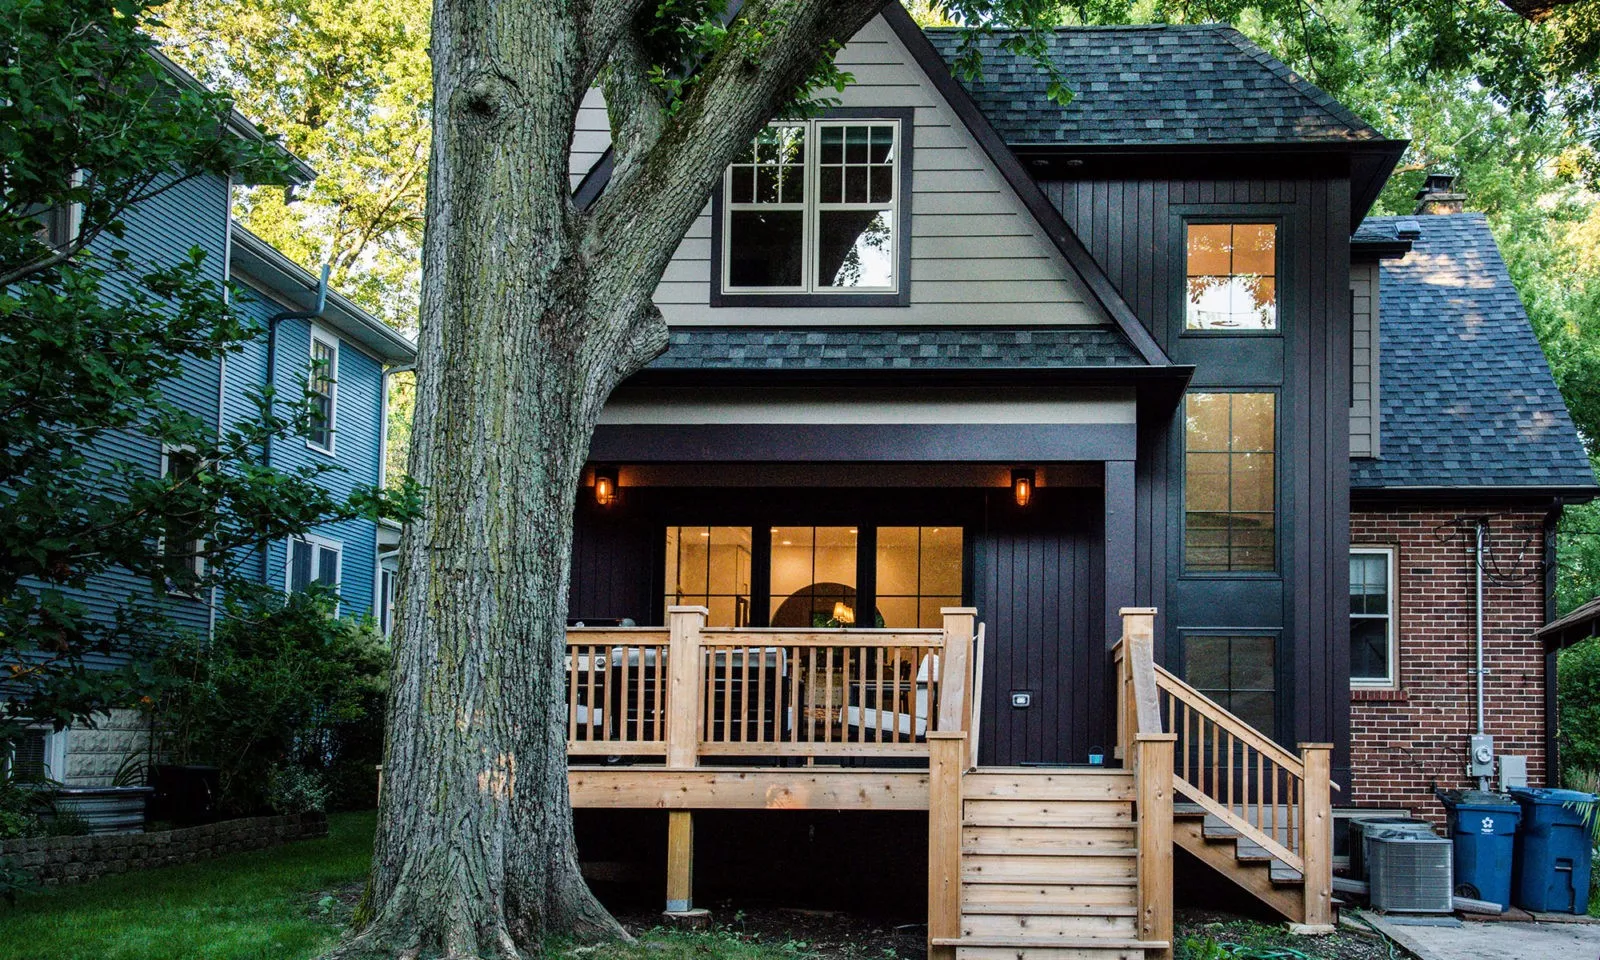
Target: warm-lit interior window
[[919, 571], [812, 207], [710, 567], [1232, 277], [1240, 673], [814, 577], [1230, 482]]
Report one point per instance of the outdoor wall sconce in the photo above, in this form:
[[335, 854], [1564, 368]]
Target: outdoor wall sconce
[[605, 485], [1022, 486]]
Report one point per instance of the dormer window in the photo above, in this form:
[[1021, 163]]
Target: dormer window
[[1232, 277], [816, 208]]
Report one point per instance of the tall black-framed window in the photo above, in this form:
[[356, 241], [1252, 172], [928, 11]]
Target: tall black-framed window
[[1239, 670], [1230, 482], [817, 211]]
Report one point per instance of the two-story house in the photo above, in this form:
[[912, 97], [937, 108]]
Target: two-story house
[[952, 345], [354, 352]]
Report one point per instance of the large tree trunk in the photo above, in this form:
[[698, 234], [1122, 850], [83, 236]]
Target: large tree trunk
[[475, 853], [532, 312]]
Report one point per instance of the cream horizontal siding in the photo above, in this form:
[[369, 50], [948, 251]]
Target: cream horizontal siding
[[590, 136], [1364, 360], [977, 256]]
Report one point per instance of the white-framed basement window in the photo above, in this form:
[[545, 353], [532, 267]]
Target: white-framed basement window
[[1374, 619], [313, 559], [814, 207], [322, 382], [38, 753]]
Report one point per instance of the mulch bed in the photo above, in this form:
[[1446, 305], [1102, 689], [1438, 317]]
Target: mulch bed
[[1274, 942]]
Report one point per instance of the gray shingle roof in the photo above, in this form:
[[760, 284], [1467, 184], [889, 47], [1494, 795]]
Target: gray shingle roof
[[890, 348], [1192, 83], [1466, 395]]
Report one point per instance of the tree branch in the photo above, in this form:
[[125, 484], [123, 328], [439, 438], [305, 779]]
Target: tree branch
[[636, 106]]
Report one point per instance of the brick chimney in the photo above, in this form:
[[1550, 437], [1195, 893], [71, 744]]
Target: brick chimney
[[1438, 196]]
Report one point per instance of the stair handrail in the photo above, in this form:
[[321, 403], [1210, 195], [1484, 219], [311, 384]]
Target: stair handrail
[[1170, 683]]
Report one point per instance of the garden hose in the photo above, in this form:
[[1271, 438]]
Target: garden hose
[[1241, 952]]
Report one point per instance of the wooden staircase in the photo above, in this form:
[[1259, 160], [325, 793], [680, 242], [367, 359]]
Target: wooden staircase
[[1049, 866], [1240, 860]]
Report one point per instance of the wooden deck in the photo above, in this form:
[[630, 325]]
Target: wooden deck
[[1023, 862]]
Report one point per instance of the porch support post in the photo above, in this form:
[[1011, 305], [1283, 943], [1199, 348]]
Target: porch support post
[[955, 669], [1120, 537], [1153, 783], [683, 684], [680, 861], [946, 758], [1316, 836]]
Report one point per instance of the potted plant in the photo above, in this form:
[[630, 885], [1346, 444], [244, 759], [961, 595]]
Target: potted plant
[[118, 808]]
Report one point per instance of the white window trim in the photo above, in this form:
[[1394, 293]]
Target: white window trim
[[1392, 568], [167, 450], [321, 543], [811, 210], [329, 339], [55, 752]]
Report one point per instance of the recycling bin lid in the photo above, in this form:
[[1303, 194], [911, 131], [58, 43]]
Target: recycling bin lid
[[1475, 798], [1551, 795]]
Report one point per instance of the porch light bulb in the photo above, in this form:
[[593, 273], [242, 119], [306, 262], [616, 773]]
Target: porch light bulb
[[1022, 486], [605, 486]]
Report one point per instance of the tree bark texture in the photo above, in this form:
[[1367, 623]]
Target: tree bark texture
[[532, 311]]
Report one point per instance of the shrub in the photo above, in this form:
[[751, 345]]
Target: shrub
[[1578, 726], [292, 788], [282, 683], [21, 807]]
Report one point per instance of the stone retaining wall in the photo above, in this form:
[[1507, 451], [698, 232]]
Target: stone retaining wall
[[58, 860]]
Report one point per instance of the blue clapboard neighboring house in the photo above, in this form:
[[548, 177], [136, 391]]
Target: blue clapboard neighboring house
[[359, 352]]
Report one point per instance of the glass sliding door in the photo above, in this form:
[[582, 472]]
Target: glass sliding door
[[710, 567], [918, 572], [813, 578]]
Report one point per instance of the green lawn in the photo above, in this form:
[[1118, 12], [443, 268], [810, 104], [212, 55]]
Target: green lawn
[[262, 905]]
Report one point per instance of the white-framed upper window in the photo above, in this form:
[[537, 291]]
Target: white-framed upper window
[[323, 384], [386, 582], [815, 207], [182, 546], [313, 559], [1374, 618], [37, 753]]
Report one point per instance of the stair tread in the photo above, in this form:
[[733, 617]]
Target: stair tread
[[1065, 850], [1048, 910], [1051, 823], [1082, 943], [1051, 880]]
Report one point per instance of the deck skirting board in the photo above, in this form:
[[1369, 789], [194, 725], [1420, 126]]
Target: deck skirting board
[[744, 788]]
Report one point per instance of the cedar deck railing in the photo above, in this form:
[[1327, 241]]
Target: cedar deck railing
[[691, 693], [1232, 771]]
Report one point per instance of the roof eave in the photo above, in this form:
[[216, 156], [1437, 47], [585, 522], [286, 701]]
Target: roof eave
[[238, 124], [283, 277], [1432, 493]]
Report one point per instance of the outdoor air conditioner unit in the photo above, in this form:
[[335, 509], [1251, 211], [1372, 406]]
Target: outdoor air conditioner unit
[[1363, 828], [1409, 873]]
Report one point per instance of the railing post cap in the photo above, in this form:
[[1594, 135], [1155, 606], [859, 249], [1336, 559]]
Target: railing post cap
[[1315, 746], [958, 611], [1137, 612], [688, 609]]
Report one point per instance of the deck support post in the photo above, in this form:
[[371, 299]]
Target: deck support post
[[955, 669], [1152, 763], [946, 761], [1316, 836], [680, 861], [684, 706]]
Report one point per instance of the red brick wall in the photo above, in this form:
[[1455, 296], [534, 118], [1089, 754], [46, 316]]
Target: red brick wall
[[1406, 742]]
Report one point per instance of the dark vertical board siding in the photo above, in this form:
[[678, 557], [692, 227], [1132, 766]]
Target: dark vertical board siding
[[1131, 227], [1035, 588]]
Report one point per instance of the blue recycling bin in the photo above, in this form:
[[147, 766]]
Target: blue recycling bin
[[1483, 828], [1553, 851]]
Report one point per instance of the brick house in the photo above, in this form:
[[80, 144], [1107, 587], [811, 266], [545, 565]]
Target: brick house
[[1457, 424]]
